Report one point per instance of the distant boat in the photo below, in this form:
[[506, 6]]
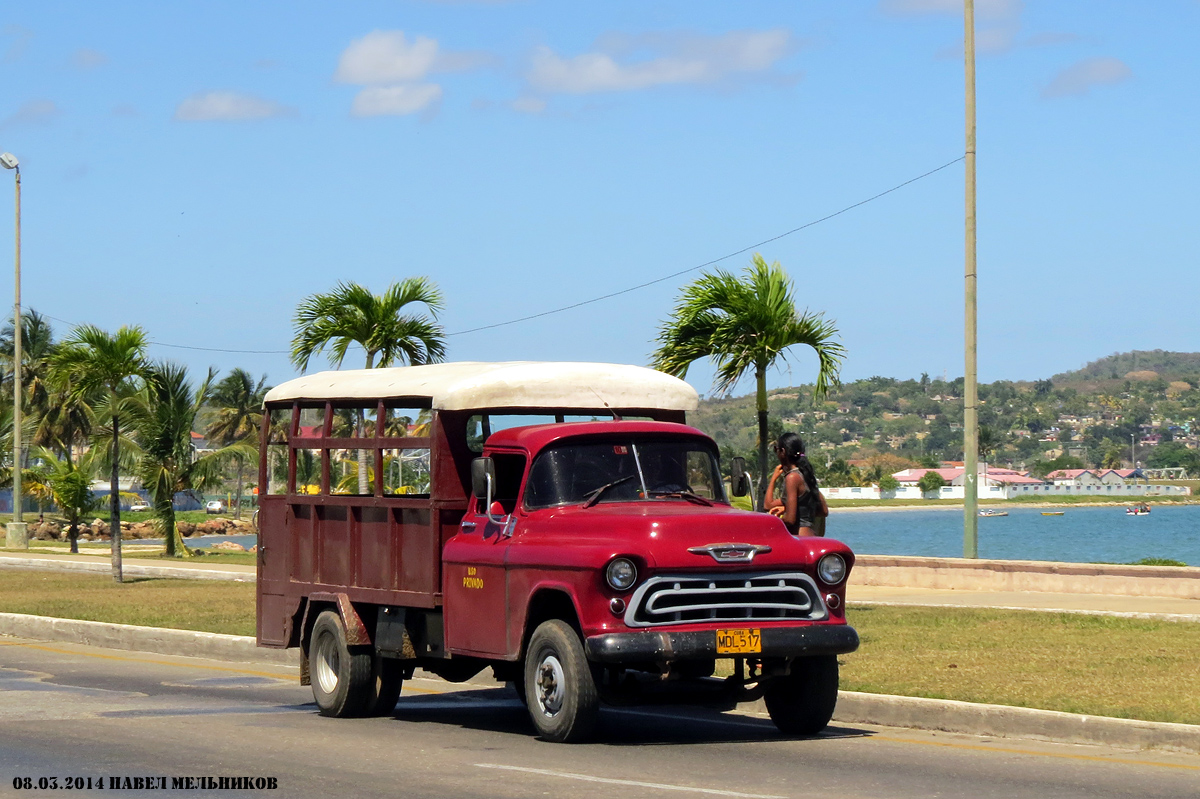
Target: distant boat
[[1053, 512], [1138, 510], [991, 512]]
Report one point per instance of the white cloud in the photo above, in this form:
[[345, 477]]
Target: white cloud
[[1082, 77], [528, 105], [376, 101], [31, 112], [20, 38], [86, 58], [228, 106], [386, 57], [665, 59]]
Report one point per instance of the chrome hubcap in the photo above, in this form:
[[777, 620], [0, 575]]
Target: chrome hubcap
[[327, 664], [550, 679]]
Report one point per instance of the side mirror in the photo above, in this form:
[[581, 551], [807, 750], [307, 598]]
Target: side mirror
[[740, 480], [483, 477]]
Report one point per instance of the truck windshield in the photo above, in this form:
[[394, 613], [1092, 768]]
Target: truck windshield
[[627, 470]]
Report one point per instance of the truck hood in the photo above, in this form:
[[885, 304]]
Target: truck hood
[[660, 535]]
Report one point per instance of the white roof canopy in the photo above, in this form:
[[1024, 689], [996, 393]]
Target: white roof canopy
[[514, 384]]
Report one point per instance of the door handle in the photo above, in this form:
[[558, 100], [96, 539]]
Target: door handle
[[468, 525]]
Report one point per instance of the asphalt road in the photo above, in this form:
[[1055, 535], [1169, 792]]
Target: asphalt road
[[73, 711]]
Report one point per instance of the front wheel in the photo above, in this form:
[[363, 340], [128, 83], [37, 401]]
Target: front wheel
[[560, 690], [802, 702]]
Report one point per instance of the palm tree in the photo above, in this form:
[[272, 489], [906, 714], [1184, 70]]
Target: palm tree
[[37, 344], [168, 464], [113, 366], [67, 485], [351, 314], [744, 324], [238, 400], [989, 441]]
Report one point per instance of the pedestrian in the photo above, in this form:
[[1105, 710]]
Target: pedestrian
[[800, 504]]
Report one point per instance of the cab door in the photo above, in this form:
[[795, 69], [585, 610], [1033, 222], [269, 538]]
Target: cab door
[[475, 588]]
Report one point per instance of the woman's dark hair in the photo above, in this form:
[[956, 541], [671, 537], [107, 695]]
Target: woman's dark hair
[[793, 448]]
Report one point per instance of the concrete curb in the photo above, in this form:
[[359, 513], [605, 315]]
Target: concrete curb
[[156, 640], [947, 715], [1003, 721], [129, 568]]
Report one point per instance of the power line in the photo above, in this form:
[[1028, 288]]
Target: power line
[[602, 297], [708, 263]]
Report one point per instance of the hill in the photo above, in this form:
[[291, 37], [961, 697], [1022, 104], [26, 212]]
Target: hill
[[1086, 418], [1140, 365]]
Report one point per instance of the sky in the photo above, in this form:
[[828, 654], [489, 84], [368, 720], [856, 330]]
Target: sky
[[198, 168]]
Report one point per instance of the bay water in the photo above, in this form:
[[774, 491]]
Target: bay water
[[1083, 534]]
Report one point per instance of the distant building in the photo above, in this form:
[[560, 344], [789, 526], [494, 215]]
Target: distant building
[[953, 475]]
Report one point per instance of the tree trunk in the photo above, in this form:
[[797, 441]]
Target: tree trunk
[[114, 503], [237, 508], [760, 376], [73, 535], [363, 487], [171, 537], [362, 453]]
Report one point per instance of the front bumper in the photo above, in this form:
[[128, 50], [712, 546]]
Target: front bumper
[[663, 645]]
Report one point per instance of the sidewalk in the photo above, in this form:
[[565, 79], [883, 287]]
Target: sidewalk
[[857, 595], [1099, 604], [191, 569]]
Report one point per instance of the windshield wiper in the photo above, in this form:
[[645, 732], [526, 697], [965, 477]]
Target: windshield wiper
[[688, 495], [593, 496]]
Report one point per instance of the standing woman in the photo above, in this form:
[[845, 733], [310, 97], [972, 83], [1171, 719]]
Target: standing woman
[[800, 504]]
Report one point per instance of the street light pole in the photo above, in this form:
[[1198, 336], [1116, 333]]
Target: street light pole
[[17, 536], [970, 387]]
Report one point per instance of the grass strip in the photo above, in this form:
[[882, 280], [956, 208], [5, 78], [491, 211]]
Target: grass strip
[[206, 605], [1098, 665]]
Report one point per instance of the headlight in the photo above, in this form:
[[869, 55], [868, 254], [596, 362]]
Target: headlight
[[621, 574], [831, 569]]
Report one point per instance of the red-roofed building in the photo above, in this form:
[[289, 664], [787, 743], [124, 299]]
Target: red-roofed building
[[1074, 477], [954, 476]]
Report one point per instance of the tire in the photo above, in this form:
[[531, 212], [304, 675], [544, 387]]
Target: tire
[[342, 679], [802, 703], [560, 691], [387, 680], [518, 685]]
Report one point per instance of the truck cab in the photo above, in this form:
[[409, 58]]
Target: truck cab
[[587, 561]]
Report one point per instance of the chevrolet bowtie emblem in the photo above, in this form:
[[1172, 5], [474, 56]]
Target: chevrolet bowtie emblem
[[731, 553]]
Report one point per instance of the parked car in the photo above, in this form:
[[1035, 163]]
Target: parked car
[[139, 506], [215, 506]]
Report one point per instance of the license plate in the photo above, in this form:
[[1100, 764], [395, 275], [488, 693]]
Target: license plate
[[738, 642]]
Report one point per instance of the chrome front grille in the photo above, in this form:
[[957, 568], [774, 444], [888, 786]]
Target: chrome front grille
[[735, 598]]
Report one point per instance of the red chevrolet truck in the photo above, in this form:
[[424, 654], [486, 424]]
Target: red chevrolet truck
[[558, 523]]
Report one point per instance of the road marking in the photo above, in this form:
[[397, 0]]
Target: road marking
[[634, 783], [1011, 751]]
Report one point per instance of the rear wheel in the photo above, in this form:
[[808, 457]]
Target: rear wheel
[[342, 678], [802, 703], [560, 690], [387, 680]]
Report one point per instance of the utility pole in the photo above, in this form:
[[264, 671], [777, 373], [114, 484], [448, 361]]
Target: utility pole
[[970, 387]]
